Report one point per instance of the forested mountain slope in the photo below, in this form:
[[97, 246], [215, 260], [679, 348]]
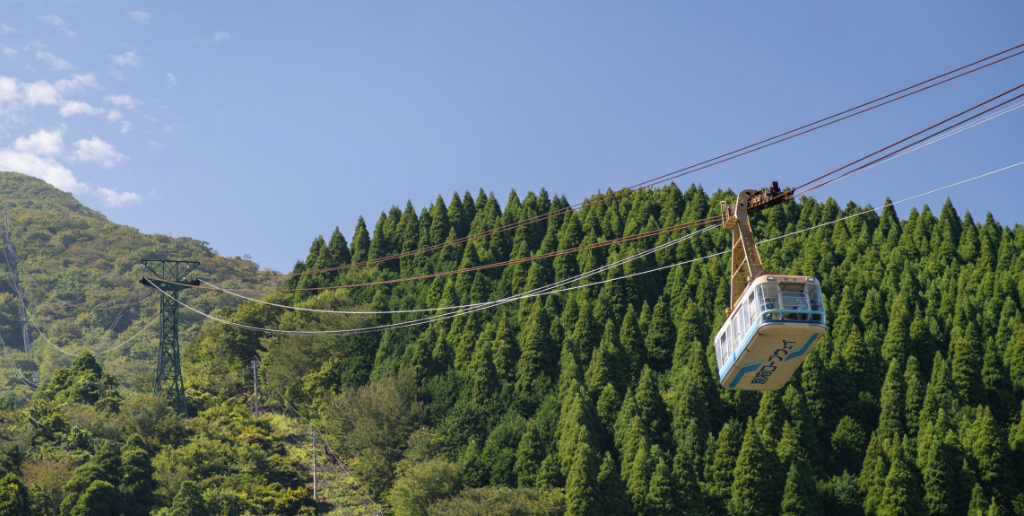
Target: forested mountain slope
[[77, 270], [608, 394], [598, 400]]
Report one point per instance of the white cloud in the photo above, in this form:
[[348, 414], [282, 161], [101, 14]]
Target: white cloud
[[36, 155], [132, 59], [141, 17], [125, 126], [77, 82], [171, 79], [10, 52], [125, 101], [8, 90], [41, 143], [74, 107], [114, 115], [40, 92], [220, 36], [57, 22], [45, 168], [16, 96], [116, 199], [95, 150], [5, 29], [54, 61]]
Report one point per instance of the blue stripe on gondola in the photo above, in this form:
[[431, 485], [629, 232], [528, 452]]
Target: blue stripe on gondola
[[747, 368], [802, 350]]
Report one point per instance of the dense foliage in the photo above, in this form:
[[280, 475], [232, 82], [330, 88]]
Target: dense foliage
[[599, 400], [608, 394], [77, 270]]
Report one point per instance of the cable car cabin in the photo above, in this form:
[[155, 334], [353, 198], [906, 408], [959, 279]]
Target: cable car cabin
[[772, 327]]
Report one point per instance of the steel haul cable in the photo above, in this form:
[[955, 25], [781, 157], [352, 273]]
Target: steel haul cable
[[456, 314], [843, 115], [552, 254], [416, 322], [933, 126], [925, 141]]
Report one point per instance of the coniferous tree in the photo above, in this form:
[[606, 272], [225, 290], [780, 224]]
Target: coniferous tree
[[1015, 360], [967, 364], [635, 440], [360, 242], [606, 366], [624, 420], [632, 344], [770, 418], [690, 498], [978, 506], [939, 475], [873, 473], [915, 395], [639, 477], [720, 476], [754, 489], [661, 496], [990, 452], [536, 356], [608, 405], [650, 406], [529, 455], [504, 350], [611, 489], [580, 498], [472, 470], [902, 494], [659, 337], [800, 497], [893, 399], [485, 376]]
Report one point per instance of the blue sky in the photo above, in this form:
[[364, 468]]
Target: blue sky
[[257, 126]]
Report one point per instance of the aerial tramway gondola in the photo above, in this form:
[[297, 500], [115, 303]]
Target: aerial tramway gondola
[[775, 319]]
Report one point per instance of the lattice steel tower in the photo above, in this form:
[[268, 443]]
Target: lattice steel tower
[[171, 276]]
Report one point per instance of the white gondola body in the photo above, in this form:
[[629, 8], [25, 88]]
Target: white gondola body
[[770, 332]]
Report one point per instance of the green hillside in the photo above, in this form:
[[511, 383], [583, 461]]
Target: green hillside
[[598, 400], [608, 394], [77, 270]]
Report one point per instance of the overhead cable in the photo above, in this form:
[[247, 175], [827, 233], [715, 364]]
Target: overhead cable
[[586, 247], [516, 298], [781, 137], [472, 308], [810, 186]]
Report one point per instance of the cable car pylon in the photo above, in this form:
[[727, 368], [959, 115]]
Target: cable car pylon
[[171, 276], [773, 320]]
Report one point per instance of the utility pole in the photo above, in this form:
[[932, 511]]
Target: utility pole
[[171, 276], [255, 388], [13, 264], [314, 463]]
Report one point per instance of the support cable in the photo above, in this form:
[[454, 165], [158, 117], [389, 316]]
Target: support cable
[[929, 128], [540, 291], [7, 352], [553, 254], [516, 298], [804, 129], [921, 143]]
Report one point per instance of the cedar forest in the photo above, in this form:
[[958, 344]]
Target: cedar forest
[[598, 400]]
